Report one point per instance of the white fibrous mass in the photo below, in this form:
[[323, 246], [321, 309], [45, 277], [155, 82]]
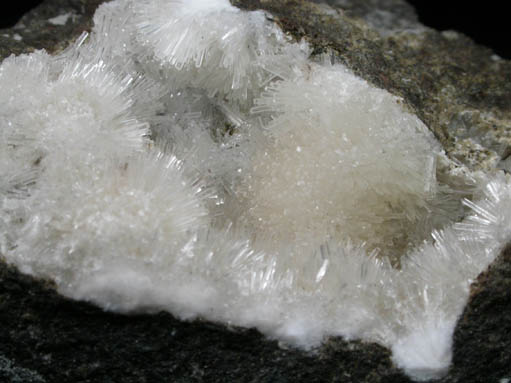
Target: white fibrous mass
[[335, 163], [191, 157]]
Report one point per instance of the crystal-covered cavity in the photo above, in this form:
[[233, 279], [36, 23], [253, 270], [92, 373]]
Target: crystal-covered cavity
[[188, 156], [343, 160]]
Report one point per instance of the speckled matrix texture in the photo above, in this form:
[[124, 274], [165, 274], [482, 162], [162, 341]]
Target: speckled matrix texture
[[460, 90], [51, 26]]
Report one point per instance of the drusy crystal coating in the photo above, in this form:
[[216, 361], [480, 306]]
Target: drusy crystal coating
[[192, 157]]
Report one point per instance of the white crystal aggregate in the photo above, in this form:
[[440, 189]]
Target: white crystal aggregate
[[190, 157]]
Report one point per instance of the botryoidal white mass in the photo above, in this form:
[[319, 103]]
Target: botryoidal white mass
[[189, 157]]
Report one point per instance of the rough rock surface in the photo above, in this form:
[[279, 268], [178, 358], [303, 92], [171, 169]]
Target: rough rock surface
[[460, 90], [51, 26]]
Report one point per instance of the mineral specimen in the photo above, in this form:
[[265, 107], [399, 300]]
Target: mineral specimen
[[192, 157]]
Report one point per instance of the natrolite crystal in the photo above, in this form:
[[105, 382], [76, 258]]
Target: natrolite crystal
[[191, 157]]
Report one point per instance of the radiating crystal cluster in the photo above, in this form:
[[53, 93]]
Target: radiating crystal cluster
[[190, 157]]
